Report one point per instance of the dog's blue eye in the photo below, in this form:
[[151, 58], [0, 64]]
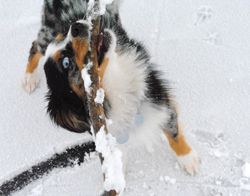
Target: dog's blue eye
[[65, 62]]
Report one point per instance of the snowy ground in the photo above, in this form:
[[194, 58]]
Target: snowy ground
[[204, 47]]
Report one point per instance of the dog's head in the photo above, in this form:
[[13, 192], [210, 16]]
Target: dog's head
[[64, 60]]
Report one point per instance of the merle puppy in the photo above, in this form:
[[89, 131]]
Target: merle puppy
[[137, 98]]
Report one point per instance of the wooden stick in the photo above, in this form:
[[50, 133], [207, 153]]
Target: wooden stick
[[96, 110]]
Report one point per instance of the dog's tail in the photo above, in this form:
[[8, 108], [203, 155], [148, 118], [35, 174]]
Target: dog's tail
[[112, 15], [114, 6]]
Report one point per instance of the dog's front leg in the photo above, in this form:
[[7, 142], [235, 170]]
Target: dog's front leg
[[31, 78]]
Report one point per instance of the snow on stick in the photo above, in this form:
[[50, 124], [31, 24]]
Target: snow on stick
[[111, 156], [112, 162], [100, 95]]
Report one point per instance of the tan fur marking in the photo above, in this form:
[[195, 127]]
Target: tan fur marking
[[59, 37], [33, 62], [69, 119], [72, 120], [80, 47], [103, 67], [179, 144], [57, 56], [78, 89]]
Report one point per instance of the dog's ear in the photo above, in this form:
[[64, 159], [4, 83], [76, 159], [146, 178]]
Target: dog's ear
[[71, 121], [68, 112], [65, 107]]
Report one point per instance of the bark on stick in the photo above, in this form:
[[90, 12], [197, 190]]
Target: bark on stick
[[96, 110]]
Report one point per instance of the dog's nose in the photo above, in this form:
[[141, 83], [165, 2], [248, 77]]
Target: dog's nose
[[79, 30]]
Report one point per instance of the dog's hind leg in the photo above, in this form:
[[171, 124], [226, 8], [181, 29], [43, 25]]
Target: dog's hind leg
[[38, 48], [186, 156]]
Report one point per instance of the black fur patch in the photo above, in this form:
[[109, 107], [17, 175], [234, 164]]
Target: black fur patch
[[33, 49], [58, 6], [65, 108], [157, 88], [124, 44]]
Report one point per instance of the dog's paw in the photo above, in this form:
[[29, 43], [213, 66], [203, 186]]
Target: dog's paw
[[30, 82], [189, 162]]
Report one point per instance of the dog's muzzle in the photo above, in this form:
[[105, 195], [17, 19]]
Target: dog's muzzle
[[79, 29]]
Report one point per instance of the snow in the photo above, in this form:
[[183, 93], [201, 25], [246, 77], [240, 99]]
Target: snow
[[244, 184], [102, 7], [169, 180], [37, 191], [91, 5], [103, 4], [86, 78], [112, 161], [100, 95], [205, 54], [246, 170]]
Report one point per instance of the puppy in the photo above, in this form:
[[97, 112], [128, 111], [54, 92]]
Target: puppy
[[133, 86]]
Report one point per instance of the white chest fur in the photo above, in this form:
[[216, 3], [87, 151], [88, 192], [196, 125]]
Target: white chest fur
[[124, 83]]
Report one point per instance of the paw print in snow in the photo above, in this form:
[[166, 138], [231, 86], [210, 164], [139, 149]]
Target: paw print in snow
[[213, 140], [213, 38], [204, 14]]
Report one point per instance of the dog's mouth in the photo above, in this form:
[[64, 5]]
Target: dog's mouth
[[101, 49], [81, 30], [102, 45]]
